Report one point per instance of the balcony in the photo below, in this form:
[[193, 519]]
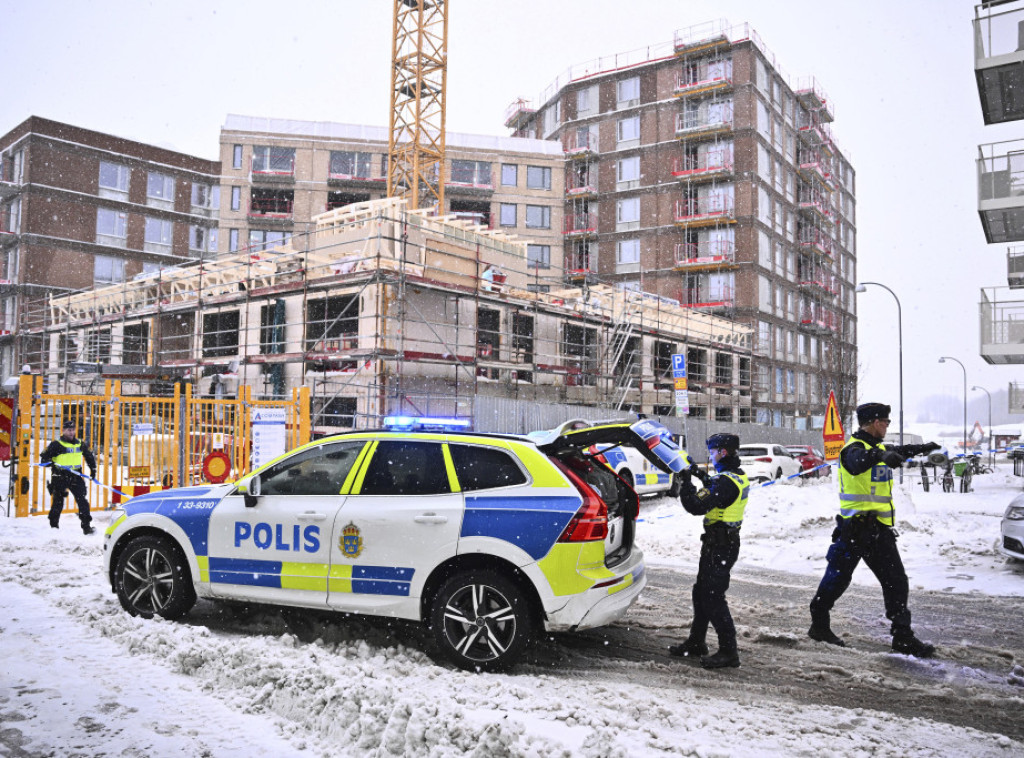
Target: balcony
[[580, 224], [706, 254], [716, 298], [1015, 267], [470, 182], [817, 281], [815, 240], [519, 113], [274, 169], [705, 211], [341, 179], [813, 98], [815, 204], [812, 167], [270, 209], [999, 60], [1002, 326], [1001, 190], [817, 319], [716, 79], [581, 186], [704, 166], [579, 145], [700, 38], [715, 120]]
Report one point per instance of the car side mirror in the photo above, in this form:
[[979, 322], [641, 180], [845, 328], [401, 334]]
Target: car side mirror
[[252, 492]]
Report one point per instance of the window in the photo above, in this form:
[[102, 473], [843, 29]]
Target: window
[[114, 180], [538, 217], [481, 468], [627, 214], [627, 251], [264, 240], [509, 175], [232, 240], [205, 196], [272, 325], [552, 117], [158, 235], [628, 172], [508, 214], [97, 346], [160, 187], [236, 198], [107, 270], [628, 129], [202, 239], [405, 467], [329, 320], [236, 156], [350, 165], [134, 349], [220, 334], [538, 177], [628, 92], [587, 101], [475, 173], [538, 256], [318, 471], [111, 228], [273, 160]]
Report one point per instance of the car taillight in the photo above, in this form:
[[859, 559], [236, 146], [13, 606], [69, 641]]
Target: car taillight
[[590, 524], [763, 460]]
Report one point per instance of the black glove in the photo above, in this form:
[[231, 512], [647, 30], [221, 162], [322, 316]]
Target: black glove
[[92, 473], [892, 459], [700, 474], [930, 447]]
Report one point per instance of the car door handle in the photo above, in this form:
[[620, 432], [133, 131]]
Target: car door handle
[[312, 516], [431, 518]]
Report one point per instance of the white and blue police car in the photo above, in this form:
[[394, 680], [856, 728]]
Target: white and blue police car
[[487, 539]]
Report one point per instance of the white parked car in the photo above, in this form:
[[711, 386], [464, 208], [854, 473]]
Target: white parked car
[[764, 461], [1012, 529]]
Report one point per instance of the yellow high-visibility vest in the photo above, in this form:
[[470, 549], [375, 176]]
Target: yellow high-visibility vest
[[732, 514], [870, 492]]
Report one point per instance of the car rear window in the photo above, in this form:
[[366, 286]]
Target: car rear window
[[483, 468], [752, 451], [406, 467]]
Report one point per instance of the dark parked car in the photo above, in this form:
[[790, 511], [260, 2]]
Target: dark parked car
[[810, 458]]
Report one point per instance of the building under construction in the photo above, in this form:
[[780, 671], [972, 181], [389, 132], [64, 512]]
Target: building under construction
[[385, 309]]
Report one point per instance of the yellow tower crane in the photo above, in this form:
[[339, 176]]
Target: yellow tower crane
[[419, 70]]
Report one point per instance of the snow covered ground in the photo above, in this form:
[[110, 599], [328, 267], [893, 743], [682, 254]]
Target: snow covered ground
[[79, 677]]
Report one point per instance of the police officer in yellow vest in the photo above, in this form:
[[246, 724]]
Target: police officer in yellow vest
[[865, 531], [721, 501], [67, 455]]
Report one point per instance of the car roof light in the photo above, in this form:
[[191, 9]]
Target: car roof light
[[425, 423]]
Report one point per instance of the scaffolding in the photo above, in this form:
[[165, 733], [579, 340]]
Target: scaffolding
[[382, 309]]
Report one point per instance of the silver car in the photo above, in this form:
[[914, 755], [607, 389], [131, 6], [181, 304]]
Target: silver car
[[1012, 529]]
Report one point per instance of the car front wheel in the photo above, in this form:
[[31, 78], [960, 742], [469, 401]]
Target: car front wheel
[[481, 621], [152, 579]]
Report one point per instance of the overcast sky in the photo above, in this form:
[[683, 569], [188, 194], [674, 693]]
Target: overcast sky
[[900, 76]]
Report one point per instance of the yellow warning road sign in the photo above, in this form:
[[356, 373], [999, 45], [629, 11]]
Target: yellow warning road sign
[[833, 435]]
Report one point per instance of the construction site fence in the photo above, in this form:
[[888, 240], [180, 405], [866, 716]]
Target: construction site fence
[[142, 444]]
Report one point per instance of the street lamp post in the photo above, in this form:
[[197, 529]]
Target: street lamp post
[[991, 452], [899, 323], [943, 359]]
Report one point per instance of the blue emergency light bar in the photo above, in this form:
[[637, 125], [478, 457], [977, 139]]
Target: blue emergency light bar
[[425, 423]]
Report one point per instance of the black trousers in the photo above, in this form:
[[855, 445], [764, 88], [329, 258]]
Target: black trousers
[[62, 484], [717, 558], [877, 547]]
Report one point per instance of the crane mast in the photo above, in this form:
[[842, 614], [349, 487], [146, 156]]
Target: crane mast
[[419, 70]]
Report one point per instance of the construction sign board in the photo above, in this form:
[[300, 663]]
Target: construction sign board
[[833, 434]]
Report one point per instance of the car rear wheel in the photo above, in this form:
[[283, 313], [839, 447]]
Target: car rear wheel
[[152, 579], [778, 473], [481, 621]]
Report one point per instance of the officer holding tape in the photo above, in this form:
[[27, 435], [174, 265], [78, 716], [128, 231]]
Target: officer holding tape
[[865, 531], [67, 455], [721, 501]]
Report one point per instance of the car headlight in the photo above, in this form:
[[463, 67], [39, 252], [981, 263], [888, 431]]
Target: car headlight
[[1014, 513]]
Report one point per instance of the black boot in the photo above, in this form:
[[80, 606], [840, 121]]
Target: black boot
[[87, 529], [824, 634], [908, 644], [726, 657], [691, 648]]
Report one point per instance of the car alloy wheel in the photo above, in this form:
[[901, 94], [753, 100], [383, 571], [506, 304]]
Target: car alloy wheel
[[152, 579], [481, 621]]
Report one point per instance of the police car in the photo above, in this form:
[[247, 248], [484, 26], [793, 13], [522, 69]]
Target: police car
[[487, 539], [643, 475]]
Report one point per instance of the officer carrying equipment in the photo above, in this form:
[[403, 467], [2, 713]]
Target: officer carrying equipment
[[67, 455]]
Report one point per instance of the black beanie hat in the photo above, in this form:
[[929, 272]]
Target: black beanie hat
[[868, 412]]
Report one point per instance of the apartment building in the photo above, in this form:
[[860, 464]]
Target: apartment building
[[279, 174], [999, 71], [80, 209], [696, 170]]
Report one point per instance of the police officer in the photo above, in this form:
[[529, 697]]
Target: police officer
[[865, 531], [69, 452], [721, 501]]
